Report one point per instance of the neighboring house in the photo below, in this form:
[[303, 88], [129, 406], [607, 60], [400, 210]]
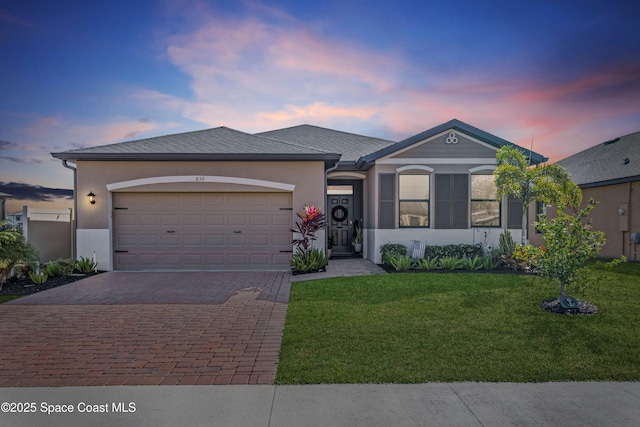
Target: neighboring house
[[222, 199], [610, 174], [49, 231]]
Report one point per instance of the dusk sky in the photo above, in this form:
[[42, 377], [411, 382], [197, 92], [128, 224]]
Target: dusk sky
[[83, 73]]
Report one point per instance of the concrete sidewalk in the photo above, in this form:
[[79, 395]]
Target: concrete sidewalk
[[438, 404]]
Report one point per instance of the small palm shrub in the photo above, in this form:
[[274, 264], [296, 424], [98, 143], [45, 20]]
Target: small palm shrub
[[474, 263], [312, 260], [490, 263], [37, 276], [53, 269], [427, 263], [390, 251], [401, 263], [450, 263], [86, 265]]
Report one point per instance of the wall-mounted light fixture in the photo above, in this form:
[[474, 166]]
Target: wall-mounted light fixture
[[622, 211], [92, 198]]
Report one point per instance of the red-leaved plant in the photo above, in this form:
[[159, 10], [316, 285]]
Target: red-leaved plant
[[312, 220]]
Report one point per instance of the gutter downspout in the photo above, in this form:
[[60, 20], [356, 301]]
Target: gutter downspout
[[629, 190], [328, 230], [74, 219]]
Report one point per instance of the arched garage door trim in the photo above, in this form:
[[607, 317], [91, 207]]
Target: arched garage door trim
[[198, 178]]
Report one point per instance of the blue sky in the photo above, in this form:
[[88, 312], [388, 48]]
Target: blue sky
[[78, 73]]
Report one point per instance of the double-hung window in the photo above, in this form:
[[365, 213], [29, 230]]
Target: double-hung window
[[485, 204], [414, 200]]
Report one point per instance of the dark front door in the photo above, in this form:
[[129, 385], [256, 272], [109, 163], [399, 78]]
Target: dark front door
[[341, 222]]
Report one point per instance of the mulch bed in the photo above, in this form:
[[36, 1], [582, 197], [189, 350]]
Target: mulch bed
[[499, 270], [553, 306], [15, 286]]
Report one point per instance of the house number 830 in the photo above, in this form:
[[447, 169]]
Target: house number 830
[[199, 178]]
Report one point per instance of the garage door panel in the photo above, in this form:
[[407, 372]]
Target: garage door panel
[[237, 240], [281, 220], [192, 219], [214, 200], [148, 220], [215, 220], [259, 240], [147, 240], [207, 231], [171, 199], [235, 219], [173, 219], [281, 240], [194, 260], [193, 239], [213, 261], [124, 219], [258, 260], [170, 240], [259, 220], [215, 240]]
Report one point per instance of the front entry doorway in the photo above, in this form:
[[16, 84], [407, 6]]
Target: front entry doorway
[[340, 202]]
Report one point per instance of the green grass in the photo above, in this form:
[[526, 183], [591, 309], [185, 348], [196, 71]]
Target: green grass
[[6, 298], [413, 328]]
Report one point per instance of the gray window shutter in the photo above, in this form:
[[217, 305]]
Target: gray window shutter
[[386, 208], [460, 201], [514, 216], [452, 201], [443, 201]]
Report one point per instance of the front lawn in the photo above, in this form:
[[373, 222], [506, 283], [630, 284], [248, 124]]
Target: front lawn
[[414, 328], [7, 298]]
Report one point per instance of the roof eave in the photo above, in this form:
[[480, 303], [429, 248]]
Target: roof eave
[[610, 182], [197, 156]]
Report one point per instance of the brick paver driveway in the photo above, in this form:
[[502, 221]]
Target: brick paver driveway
[[146, 328]]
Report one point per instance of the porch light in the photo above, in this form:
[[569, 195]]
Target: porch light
[[92, 198]]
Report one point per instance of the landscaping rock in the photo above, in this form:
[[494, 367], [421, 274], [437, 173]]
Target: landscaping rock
[[553, 306], [16, 286]]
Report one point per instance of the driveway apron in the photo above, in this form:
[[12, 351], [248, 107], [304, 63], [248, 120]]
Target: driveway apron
[[159, 328]]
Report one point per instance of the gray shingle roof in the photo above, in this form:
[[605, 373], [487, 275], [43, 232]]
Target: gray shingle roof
[[605, 163], [216, 141], [350, 145]]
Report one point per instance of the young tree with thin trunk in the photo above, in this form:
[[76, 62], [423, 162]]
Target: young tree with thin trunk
[[549, 184]]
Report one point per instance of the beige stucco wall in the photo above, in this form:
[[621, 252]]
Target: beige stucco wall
[[606, 217], [94, 176]]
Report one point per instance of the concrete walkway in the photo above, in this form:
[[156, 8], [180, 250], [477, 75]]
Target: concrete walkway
[[345, 267], [608, 404]]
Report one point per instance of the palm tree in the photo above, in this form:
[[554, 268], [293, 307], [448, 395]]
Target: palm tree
[[549, 184]]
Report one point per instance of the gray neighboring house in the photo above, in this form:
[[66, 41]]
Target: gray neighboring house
[[222, 199], [610, 174]]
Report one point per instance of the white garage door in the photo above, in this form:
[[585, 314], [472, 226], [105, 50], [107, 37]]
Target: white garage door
[[202, 231]]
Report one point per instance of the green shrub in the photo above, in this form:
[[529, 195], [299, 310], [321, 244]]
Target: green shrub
[[427, 263], [391, 251], [451, 263], [474, 263], [14, 250], [526, 257], [401, 263], [490, 262], [61, 267], [86, 265], [53, 269], [506, 244], [38, 277], [312, 260], [455, 251]]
